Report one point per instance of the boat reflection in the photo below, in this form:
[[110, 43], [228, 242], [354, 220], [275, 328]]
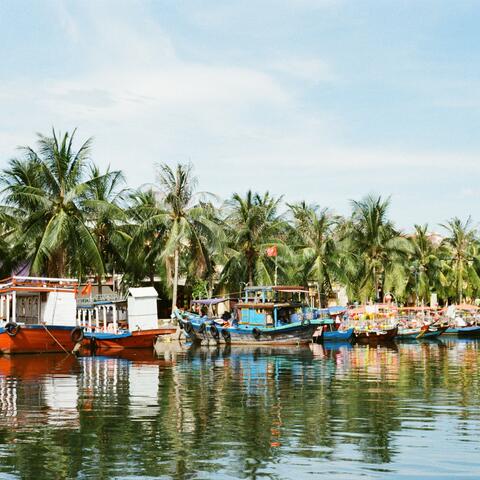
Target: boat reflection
[[241, 410]]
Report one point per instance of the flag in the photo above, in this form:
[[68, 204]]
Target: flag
[[87, 289], [272, 251]]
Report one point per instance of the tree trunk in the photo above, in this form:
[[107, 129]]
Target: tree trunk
[[175, 279], [99, 284]]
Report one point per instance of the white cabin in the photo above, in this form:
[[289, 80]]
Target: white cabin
[[38, 300], [112, 313], [142, 308]]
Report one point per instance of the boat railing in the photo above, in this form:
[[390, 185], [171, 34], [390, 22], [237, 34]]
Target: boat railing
[[38, 283]]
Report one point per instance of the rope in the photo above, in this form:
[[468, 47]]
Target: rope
[[53, 336]]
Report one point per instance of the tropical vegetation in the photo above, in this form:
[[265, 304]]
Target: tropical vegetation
[[61, 215]]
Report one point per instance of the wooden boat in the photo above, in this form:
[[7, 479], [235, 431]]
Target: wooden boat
[[113, 322], [37, 315], [468, 331], [273, 315], [338, 335], [416, 333], [125, 339], [374, 336]]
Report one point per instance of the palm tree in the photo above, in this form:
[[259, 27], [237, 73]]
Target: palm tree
[[462, 247], [49, 194], [378, 248], [188, 228], [103, 207], [424, 264], [145, 231], [252, 224], [318, 246]]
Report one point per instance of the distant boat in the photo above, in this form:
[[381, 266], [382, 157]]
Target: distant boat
[[468, 331], [416, 333], [271, 315], [376, 335], [37, 315], [338, 335]]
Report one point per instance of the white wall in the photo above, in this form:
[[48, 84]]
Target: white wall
[[142, 313], [60, 309]]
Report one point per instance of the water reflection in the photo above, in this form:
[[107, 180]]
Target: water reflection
[[240, 412]]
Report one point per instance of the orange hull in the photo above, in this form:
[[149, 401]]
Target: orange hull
[[36, 339], [138, 339]]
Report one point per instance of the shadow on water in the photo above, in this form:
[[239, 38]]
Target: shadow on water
[[242, 412]]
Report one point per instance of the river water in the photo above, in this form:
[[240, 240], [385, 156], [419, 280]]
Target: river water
[[405, 411]]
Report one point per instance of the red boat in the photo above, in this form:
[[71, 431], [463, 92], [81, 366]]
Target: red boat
[[376, 336], [38, 315], [113, 322], [126, 339], [37, 339]]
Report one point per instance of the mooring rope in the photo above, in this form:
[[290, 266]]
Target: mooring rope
[[53, 336]]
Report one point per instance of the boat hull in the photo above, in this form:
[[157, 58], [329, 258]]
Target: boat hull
[[376, 336], [127, 340], [337, 336], [292, 334], [413, 334], [464, 331], [37, 339]]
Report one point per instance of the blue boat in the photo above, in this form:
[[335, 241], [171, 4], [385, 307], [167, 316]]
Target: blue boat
[[470, 331], [405, 334], [272, 315], [338, 335]]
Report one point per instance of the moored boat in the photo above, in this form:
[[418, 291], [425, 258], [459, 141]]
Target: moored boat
[[430, 332], [376, 335], [467, 331], [37, 315], [273, 315], [122, 323]]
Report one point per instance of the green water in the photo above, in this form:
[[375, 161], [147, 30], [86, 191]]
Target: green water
[[412, 411]]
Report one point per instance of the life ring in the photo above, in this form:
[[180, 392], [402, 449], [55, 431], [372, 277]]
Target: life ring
[[180, 324], [214, 331], [76, 334], [188, 328], [12, 328], [226, 335], [202, 328], [256, 333]]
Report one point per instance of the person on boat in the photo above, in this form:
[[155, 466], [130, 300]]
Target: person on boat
[[226, 316]]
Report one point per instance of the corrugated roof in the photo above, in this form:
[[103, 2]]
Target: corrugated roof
[[143, 292]]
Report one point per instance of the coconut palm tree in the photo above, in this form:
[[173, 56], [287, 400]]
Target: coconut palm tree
[[462, 247], [188, 228], [424, 265], [103, 205], [47, 188], [377, 247], [145, 231], [252, 224], [318, 247]]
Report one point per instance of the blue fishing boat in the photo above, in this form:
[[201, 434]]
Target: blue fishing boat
[[272, 315], [469, 331], [433, 332], [338, 335]]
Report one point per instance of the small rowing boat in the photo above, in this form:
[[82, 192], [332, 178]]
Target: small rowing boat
[[419, 334], [376, 335]]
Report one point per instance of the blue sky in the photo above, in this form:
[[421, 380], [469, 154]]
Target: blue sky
[[322, 100]]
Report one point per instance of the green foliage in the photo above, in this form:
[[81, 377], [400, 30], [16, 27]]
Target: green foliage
[[63, 216]]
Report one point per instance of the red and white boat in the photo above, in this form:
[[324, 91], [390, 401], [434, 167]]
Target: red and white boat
[[37, 315], [111, 322]]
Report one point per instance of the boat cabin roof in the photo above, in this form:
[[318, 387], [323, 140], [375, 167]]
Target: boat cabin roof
[[38, 284], [278, 288]]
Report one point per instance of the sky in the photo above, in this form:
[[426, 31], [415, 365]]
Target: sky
[[317, 100]]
